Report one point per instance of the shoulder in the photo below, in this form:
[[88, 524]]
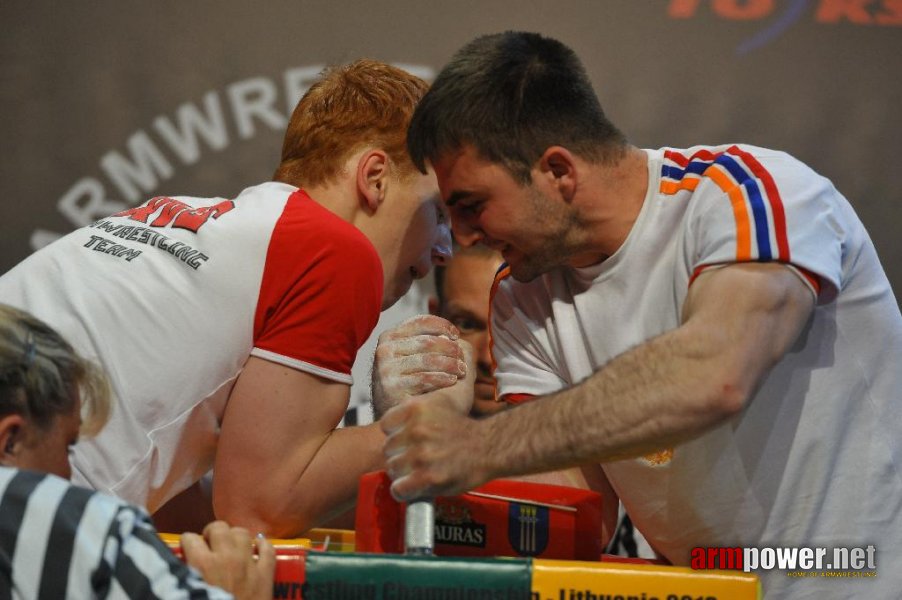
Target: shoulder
[[21, 483], [760, 180], [740, 161], [749, 163], [310, 243], [51, 492], [311, 225]]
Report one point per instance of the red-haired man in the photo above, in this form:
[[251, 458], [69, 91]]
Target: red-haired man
[[228, 326]]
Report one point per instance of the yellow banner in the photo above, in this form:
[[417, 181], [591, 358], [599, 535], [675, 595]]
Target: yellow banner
[[571, 580]]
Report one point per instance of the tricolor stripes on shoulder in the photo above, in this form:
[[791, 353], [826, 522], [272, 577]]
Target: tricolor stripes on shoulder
[[753, 194]]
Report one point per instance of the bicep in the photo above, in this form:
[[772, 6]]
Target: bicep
[[748, 315]]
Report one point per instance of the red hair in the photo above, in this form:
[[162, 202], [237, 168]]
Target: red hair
[[366, 102]]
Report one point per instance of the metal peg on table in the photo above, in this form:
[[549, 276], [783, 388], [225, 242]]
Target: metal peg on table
[[419, 528]]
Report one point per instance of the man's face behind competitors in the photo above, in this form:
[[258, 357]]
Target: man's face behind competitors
[[465, 297]]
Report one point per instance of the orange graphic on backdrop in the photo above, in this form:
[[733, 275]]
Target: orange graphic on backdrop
[[858, 12]]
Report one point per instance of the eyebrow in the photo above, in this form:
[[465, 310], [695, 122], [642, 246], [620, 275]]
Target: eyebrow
[[456, 196], [455, 310]]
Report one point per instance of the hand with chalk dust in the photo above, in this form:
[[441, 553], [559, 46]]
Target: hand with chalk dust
[[431, 441], [421, 355]]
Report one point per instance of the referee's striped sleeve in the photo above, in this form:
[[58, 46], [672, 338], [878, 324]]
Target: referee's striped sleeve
[[146, 567], [17, 488], [59, 541]]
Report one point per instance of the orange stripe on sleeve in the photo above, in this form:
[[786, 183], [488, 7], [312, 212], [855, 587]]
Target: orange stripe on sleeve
[[740, 213], [503, 272], [672, 187]]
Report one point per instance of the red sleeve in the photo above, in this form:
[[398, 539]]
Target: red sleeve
[[321, 292]]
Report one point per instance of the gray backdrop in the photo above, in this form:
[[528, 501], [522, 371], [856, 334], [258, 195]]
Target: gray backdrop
[[105, 104]]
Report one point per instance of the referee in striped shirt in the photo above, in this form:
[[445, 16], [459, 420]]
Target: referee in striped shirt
[[61, 541]]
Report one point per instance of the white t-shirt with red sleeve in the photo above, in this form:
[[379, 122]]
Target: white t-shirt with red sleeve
[[173, 296], [815, 459]]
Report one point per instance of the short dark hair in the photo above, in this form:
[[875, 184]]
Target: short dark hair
[[511, 96]]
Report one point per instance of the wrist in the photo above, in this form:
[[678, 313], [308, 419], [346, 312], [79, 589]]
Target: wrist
[[490, 462]]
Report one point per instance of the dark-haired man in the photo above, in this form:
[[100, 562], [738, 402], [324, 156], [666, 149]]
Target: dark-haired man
[[712, 324]]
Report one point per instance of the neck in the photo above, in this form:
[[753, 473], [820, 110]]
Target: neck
[[339, 194], [338, 198], [612, 198]]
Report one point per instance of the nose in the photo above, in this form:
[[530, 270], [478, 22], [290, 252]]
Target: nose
[[484, 353], [440, 257], [465, 235], [442, 249]]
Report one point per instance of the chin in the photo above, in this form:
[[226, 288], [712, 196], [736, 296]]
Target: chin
[[526, 269], [391, 299], [523, 273]]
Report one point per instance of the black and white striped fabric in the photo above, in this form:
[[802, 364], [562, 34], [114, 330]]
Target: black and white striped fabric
[[60, 541]]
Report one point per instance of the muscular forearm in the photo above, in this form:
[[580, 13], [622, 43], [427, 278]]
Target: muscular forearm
[[657, 395], [329, 485], [737, 324], [667, 390], [299, 493]]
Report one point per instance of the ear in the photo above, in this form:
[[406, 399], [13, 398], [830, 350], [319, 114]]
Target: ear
[[433, 306], [12, 429], [558, 165], [372, 178]]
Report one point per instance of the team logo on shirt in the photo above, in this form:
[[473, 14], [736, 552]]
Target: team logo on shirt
[[168, 212], [527, 528], [174, 213]]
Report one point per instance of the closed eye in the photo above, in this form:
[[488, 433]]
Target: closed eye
[[466, 322], [470, 209]]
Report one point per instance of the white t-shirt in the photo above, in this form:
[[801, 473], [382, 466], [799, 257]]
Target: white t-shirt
[[173, 296], [815, 458]]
